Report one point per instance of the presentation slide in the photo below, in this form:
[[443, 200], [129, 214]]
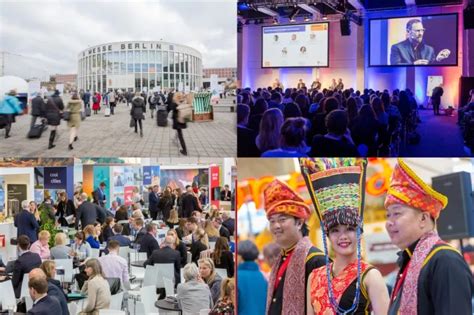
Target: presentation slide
[[298, 45], [428, 40]]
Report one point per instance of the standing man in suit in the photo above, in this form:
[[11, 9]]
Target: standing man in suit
[[226, 194], [88, 212], [436, 98], [153, 199], [189, 202], [148, 242], [99, 195], [413, 51], [26, 222], [167, 254], [26, 262], [42, 303]]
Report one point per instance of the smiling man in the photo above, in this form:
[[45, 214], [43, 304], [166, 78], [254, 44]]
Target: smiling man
[[287, 212], [433, 276]]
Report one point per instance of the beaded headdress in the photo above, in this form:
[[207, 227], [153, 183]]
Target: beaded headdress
[[337, 187]]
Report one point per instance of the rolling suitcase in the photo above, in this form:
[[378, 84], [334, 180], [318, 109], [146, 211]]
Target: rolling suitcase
[[35, 132], [107, 111], [88, 111], [162, 116]]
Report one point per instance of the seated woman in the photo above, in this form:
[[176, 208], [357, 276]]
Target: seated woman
[[54, 286], [41, 246], [211, 231], [209, 275], [96, 288], [92, 238], [292, 139], [222, 256], [193, 295], [201, 243], [106, 229], [226, 302], [80, 248], [179, 246], [60, 250]]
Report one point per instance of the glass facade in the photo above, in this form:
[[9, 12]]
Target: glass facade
[[146, 66]]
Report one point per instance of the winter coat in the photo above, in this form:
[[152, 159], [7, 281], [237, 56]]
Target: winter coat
[[87, 98], [176, 124], [74, 107], [96, 106], [138, 108], [54, 106], [10, 105], [37, 106]]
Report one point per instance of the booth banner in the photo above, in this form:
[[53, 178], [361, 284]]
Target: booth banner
[[2, 193], [55, 177], [214, 183], [39, 196], [102, 174], [151, 175], [182, 177], [128, 194]]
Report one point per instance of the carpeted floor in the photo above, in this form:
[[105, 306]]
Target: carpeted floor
[[440, 137]]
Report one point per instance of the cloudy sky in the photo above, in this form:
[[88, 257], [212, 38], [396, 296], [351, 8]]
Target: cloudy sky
[[54, 32]]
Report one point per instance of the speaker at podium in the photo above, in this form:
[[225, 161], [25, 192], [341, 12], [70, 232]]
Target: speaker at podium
[[456, 221]]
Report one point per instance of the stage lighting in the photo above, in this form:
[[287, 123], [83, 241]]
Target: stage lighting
[[307, 19], [293, 14], [325, 17], [275, 21]]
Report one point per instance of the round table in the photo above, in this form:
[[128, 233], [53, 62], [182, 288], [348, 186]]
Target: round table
[[167, 306], [138, 263]]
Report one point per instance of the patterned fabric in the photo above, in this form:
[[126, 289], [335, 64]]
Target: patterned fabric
[[281, 199], [319, 286], [335, 186], [408, 304], [407, 188], [294, 285]]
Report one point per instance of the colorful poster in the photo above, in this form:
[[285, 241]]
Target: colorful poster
[[128, 179], [78, 178], [151, 175], [128, 194], [183, 177], [102, 174], [88, 179], [39, 195], [119, 179], [215, 182], [55, 177]]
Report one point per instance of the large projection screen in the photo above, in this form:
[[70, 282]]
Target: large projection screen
[[424, 40], [296, 45]]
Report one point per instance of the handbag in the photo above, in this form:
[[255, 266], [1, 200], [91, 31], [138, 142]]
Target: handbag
[[132, 122], [66, 115]]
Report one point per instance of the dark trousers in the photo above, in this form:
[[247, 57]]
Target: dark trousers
[[138, 121], [112, 108], [181, 139], [436, 104]]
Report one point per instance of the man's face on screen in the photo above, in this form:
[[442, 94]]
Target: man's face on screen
[[416, 32]]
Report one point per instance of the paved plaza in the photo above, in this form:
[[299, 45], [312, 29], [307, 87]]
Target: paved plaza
[[111, 136]]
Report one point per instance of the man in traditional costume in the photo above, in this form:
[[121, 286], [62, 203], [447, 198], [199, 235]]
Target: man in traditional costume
[[287, 212], [433, 276]]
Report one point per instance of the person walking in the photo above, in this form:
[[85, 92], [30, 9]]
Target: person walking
[[9, 107], [173, 102], [153, 101], [112, 101], [74, 107], [54, 109], [86, 99], [137, 112], [37, 108]]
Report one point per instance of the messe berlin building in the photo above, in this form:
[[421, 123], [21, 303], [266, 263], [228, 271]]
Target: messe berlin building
[[138, 66]]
